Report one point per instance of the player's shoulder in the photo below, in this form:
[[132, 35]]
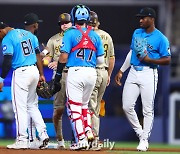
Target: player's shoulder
[[55, 36], [138, 30]]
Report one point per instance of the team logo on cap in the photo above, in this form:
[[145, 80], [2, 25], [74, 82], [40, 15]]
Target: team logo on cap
[[4, 48], [62, 16]]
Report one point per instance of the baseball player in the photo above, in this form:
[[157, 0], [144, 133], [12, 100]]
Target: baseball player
[[53, 44], [81, 49], [149, 49], [20, 48], [104, 72], [31, 23]]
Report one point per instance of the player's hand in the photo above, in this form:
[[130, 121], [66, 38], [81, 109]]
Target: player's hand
[[53, 65], [1, 86], [42, 78], [118, 78], [146, 59], [108, 81]]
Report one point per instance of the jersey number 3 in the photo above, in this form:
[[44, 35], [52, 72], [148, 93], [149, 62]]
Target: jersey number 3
[[27, 47]]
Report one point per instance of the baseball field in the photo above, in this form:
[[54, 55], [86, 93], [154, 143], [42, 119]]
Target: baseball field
[[118, 148]]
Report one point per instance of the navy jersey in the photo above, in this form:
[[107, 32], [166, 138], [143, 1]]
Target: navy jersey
[[81, 57], [157, 46], [21, 44]]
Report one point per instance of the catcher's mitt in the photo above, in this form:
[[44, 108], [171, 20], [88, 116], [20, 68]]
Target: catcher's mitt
[[140, 47], [47, 89]]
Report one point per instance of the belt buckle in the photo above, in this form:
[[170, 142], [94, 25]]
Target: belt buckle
[[138, 68]]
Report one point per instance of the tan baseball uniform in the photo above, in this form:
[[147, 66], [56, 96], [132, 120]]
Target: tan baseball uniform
[[102, 79], [53, 45]]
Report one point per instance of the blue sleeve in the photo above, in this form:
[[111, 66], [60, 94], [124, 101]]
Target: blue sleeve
[[164, 47], [66, 45], [100, 48], [35, 43], [7, 46], [132, 41]]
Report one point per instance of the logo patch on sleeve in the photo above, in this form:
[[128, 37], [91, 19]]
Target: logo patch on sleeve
[[4, 48], [62, 45]]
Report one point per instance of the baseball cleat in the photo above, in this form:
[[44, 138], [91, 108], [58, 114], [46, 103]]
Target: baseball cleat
[[143, 145], [18, 145], [89, 135], [61, 144], [81, 145]]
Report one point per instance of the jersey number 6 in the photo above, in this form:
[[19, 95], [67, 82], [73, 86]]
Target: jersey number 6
[[26, 47]]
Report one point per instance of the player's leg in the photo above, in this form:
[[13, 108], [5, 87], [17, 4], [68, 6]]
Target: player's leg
[[74, 92], [130, 94], [34, 111], [59, 102], [19, 88], [148, 92], [89, 84], [96, 97], [31, 129]]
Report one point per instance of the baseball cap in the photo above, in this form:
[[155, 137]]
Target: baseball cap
[[3, 25], [31, 18], [64, 18], [146, 12]]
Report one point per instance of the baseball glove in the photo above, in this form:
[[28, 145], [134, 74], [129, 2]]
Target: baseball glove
[[140, 47], [47, 89]]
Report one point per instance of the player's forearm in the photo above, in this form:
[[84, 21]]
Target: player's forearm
[[111, 65], [6, 66], [160, 61], [39, 64], [126, 63]]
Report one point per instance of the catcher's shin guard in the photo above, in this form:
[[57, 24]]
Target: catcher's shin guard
[[74, 111], [87, 124]]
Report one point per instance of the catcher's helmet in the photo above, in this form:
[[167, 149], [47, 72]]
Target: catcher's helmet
[[64, 18], [93, 19], [80, 13]]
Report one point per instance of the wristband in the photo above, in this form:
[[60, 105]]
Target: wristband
[[1, 80], [45, 51]]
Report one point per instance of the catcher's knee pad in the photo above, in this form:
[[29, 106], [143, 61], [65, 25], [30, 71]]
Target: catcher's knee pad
[[74, 111]]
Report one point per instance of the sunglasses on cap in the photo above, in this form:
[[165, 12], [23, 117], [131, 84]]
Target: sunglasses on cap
[[64, 22]]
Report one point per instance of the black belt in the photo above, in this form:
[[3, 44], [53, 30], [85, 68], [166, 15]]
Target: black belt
[[26, 66], [101, 68]]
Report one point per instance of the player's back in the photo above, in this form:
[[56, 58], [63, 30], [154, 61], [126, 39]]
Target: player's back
[[21, 44], [81, 57]]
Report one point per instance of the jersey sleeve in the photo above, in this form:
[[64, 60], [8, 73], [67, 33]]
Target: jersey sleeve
[[35, 43], [7, 46], [100, 48], [111, 47], [164, 48], [66, 45]]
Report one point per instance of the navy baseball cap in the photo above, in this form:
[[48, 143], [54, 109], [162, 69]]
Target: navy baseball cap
[[31, 18], [146, 12], [3, 25]]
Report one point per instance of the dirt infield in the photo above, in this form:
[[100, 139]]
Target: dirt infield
[[4, 150]]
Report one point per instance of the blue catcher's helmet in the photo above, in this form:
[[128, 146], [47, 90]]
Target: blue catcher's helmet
[[80, 13]]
